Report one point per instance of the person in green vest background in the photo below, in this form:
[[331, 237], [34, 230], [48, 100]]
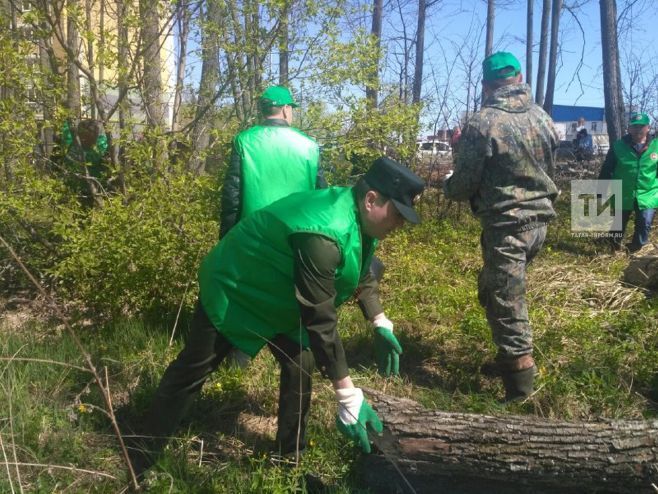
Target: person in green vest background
[[86, 146], [269, 161], [276, 280], [82, 151], [633, 159]]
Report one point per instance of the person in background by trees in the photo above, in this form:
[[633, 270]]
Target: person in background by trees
[[81, 155], [505, 152], [276, 279], [269, 161], [584, 146], [633, 159], [581, 125]]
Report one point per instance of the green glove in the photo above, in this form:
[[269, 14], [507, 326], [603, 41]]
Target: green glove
[[387, 347], [356, 417]]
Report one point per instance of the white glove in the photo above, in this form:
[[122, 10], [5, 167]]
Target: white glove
[[381, 321], [349, 404], [448, 175]]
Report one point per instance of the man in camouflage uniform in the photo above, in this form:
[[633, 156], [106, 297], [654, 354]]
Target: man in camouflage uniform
[[502, 167]]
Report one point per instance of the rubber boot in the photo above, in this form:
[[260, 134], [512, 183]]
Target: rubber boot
[[518, 374], [518, 384]]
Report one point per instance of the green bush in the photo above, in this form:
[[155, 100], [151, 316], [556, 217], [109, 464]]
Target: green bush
[[140, 253]]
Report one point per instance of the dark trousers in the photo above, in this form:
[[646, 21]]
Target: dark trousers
[[204, 350], [643, 221], [502, 286]]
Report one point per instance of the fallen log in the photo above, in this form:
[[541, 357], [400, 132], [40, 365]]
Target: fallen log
[[428, 451]]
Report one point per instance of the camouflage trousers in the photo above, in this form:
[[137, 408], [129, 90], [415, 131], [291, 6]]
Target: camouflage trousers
[[502, 286]]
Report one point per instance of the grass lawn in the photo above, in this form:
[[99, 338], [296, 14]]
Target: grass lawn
[[596, 346]]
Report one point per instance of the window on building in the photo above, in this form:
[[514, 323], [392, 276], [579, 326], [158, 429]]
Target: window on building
[[594, 127], [573, 126]]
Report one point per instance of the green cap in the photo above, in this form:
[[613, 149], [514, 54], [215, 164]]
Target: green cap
[[277, 96], [500, 65], [639, 119]]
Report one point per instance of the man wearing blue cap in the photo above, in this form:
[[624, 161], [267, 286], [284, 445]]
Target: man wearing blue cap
[[269, 161], [633, 159], [503, 165], [276, 279]]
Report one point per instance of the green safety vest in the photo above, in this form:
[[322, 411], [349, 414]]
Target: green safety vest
[[638, 175], [276, 162], [246, 282]]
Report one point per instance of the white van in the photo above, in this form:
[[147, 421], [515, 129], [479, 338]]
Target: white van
[[427, 149]]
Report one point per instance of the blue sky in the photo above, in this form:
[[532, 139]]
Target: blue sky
[[450, 21]]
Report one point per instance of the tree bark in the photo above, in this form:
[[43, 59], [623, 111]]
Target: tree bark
[[552, 62], [467, 453], [205, 113], [284, 39], [116, 150], [491, 17], [614, 101], [543, 51], [183, 21], [89, 35], [529, 39], [152, 80], [372, 88], [72, 72], [420, 49]]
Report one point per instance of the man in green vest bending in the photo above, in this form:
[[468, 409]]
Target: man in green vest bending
[[633, 159], [276, 279], [269, 161]]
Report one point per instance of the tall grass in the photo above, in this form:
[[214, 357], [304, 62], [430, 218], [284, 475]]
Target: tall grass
[[596, 347]]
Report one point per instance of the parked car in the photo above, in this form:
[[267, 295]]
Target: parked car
[[428, 149], [601, 144]]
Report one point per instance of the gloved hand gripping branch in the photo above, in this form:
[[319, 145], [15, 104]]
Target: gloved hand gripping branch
[[387, 346], [356, 417]]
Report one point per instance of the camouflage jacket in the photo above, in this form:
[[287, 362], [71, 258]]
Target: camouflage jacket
[[503, 161]]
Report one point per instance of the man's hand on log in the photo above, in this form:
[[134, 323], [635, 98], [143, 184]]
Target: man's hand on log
[[356, 417]]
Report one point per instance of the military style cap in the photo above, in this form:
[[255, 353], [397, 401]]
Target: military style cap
[[500, 65], [277, 96], [398, 183], [639, 119]]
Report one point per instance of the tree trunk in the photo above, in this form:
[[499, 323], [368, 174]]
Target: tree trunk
[[491, 17], [543, 51], [236, 63], [552, 62], [72, 72], [529, 39], [253, 38], [183, 21], [420, 49], [205, 113], [372, 87], [283, 44], [89, 35], [467, 453], [152, 80], [614, 101], [117, 154]]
